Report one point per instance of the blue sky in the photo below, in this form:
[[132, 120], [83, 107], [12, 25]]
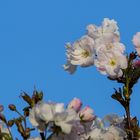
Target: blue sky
[[32, 38]]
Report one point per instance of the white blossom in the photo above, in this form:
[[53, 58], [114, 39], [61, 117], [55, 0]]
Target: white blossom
[[111, 63], [44, 113], [35, 118], [136, 42], [115, 47], [113, 133], [113, 119], [78, 132], [65, 120], [108, 31], [80, 53], [95, 134], [69, 67], [103, 131]]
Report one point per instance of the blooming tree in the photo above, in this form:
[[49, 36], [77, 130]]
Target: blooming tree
[[99, 47]]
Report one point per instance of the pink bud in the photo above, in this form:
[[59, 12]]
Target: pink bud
[[12, 107], [136, 63], [87, 114], [75, 104]]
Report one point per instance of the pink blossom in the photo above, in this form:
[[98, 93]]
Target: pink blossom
[[87, 114], [75, 104]]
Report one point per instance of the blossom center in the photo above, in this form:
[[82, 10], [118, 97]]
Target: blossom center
[[110, 46], [85, 54], [112, 62]]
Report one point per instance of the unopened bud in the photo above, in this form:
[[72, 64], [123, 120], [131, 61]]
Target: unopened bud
[[12, 107], [10, 123], [87, 114]]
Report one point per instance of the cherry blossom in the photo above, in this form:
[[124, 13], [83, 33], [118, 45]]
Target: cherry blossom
[[136, 42], [111, 63], [80, 53]]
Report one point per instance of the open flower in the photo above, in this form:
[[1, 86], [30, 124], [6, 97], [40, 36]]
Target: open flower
[[35, 118], [114, 120], [65, 120], [110, 133], [108, 31], [114, 133], [115, 46], [111, 63], [81, 53], [45, 113], [136, 42]]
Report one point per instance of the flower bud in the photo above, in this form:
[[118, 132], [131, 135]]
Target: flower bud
[[12, 107], [87, 114], [10, 123], [75, 104]]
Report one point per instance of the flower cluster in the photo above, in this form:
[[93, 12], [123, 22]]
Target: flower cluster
[[101, 47], [74, 123], [57, 118]]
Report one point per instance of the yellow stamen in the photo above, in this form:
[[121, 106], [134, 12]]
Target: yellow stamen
[[85, 54], [112, 62]]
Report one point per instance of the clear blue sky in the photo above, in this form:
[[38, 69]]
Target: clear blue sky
[[32, 38]]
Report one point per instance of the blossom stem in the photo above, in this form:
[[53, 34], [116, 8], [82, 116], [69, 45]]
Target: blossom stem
[[127, 100], [42, 136], [9, 131], [25, 125], [127, 109]]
